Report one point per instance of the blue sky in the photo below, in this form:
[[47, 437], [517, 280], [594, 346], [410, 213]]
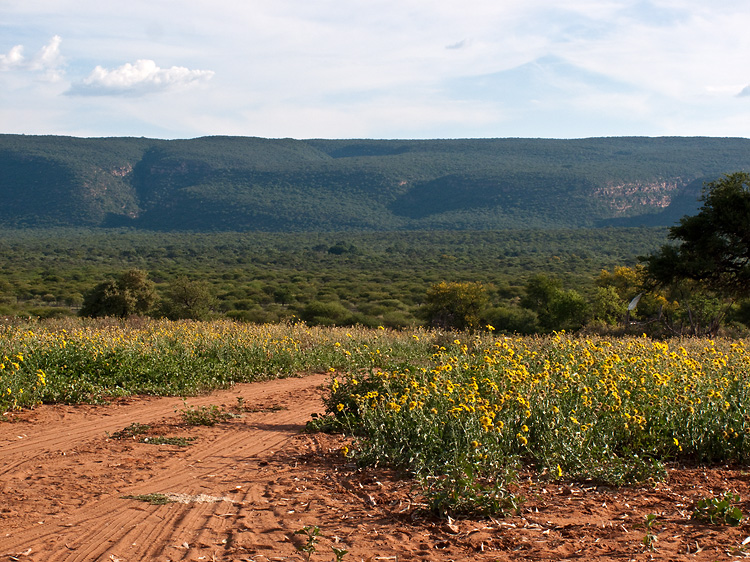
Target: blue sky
[[375, 68]]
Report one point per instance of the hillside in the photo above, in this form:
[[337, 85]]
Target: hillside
[[251, 184]]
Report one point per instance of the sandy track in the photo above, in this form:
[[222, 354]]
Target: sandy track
[[68, 496], [248, 484]]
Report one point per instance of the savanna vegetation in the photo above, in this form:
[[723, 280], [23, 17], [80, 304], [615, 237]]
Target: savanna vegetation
[[371, 279]]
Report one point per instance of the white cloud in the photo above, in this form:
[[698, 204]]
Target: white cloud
[[13, 59], [48, 60], [137, 79]]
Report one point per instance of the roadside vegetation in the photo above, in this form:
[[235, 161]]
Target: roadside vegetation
[[460, 411]]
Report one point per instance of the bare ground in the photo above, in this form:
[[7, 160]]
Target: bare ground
[[241, 489]]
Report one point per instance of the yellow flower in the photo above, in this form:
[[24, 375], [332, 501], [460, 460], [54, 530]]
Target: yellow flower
[[522, 439], [340, 407], [475, 444]]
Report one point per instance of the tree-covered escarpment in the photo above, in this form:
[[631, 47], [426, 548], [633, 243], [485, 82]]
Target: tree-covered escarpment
[[255, 184]]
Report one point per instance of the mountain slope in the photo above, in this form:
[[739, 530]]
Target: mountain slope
[[242, 183]]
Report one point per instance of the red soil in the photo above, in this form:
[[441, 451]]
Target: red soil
[[249, 483]]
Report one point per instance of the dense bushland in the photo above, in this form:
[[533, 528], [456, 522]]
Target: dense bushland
[[324, 278]]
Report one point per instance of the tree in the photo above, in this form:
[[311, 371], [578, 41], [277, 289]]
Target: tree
[[187, 299], [616, 290], [556, 308], [709, 267], [714, 245], [456, 306], [131, 293]]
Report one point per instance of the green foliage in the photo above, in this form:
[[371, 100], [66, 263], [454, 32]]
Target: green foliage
[[273, 277], [608, 306], [556, 308], [719, 509], [709, 267], [601, 410], [153, 499], [164, 440], [131, 293], [204, 415], [455, 305], [464, 492], [131, 431], [186, 299], [311, 534], [252, 184], [714, 245], [650, 539]]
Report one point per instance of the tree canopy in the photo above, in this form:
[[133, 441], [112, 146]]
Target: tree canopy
[[714, 245], [131, 293]]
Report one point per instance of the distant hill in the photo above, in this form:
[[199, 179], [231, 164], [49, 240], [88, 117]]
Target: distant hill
[[245, 184]]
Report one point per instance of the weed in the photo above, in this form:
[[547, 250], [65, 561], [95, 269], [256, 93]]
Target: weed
[[130, 432], [719, 509], [204, 415], [162, 440], [649, 540], [462, 492], [339, 553], [153, 499], [311, 534]]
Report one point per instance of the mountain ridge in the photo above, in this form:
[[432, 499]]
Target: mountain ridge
[[221, 183]]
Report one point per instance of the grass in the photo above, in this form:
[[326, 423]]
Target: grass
[[75, 360], [131, 431]]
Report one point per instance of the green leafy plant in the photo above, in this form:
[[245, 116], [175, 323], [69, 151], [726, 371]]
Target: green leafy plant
[[463, 492], [312, 535], [131, 431], [719, 509], [163, 440], [339, 553], [649, 540], [204, 415]]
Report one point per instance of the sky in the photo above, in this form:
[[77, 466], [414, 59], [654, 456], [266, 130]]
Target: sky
[[397, 69]]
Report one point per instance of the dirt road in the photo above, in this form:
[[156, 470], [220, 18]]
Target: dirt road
[[73, 483]]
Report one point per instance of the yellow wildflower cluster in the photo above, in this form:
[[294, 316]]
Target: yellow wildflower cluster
[[564, 395]]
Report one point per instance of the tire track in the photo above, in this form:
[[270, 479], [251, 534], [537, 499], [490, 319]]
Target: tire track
[[223, 463]]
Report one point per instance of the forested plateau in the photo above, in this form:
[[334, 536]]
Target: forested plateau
[[285, 185], [339, 231]]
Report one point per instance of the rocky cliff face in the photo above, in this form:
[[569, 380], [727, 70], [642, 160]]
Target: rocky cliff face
[[640, 196]]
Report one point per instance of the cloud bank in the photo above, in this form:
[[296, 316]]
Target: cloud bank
[[138, 79]]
